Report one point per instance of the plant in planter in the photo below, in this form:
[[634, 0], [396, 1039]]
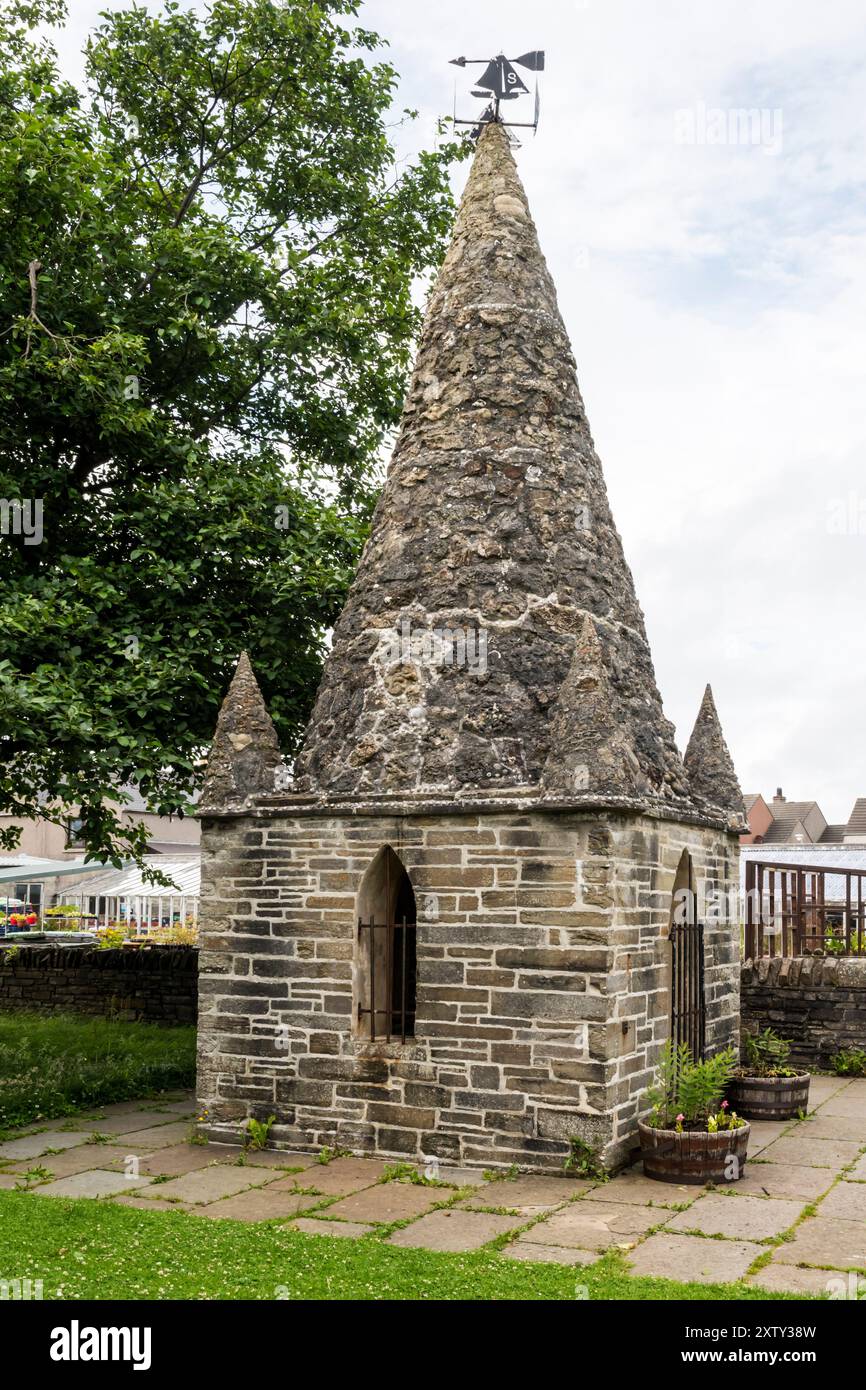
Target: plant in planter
[[691, 1134], [765, 1087]]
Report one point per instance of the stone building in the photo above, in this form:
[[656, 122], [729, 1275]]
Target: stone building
[[450, 936]]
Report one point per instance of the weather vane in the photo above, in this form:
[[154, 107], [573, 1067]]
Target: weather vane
[[501, 82]]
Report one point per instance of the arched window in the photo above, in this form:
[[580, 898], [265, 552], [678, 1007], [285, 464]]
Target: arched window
[[385, 955], [686, 935]]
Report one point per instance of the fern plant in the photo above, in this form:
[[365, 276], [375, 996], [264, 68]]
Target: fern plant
[[849, 1061], [257, 1132], [688, 1094], [767, 1054]]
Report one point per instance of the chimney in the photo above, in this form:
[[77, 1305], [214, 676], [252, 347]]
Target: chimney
[[778, 796]]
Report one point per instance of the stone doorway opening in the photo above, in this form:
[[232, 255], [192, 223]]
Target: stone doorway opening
[[386, 957]]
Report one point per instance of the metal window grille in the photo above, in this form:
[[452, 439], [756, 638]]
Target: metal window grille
[[688, 998], [391, 991]]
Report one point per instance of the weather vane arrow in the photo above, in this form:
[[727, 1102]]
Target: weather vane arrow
[[500, 81]]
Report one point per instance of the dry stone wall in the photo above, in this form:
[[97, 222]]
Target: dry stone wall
[[158, 985], [819, 1002]]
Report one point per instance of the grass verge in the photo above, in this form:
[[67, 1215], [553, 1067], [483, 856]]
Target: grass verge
[[95, 1249], [52, 1065]]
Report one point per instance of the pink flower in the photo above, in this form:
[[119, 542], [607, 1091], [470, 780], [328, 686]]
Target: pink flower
[[680, 1119], [724, 1105]]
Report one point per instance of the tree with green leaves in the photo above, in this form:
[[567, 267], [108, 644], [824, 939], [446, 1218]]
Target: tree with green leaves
[[206, 271]]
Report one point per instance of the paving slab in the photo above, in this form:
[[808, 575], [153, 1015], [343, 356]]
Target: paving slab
[[778, 1278], [209, 1184], [812, 1153], [96, 1182], [825, 1240], [821, 1088], [529, 1195], [390, 1201], [847, 1201], [178, 1107], [351, 1230], [821, 1126], [851, 1101], [264, 1158], [172, 1162], [454, 1230], [260, 1204], [740, 1218], [595, 1225], [70, 1124], [76, 1160], [635, 1188], [693, 1259], [764, 1132], [458, 1177], [156, 1109], [784, 1180], [858, 1172], [157, 1136], [548, 1254], [32, 1145], [9, 1181], [339, 1177], [124, 1123]]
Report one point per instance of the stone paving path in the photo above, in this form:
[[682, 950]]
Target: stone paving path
[[796, 1221]]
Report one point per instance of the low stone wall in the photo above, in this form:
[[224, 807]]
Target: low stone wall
[[157, 985], [818, 1002]]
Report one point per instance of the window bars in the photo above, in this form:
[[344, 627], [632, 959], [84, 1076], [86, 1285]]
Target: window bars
[[388, 967], [688, 998]]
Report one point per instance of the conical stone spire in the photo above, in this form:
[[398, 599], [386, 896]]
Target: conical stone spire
[[709, 764], [589, 750], [492, 541], [245, 752]]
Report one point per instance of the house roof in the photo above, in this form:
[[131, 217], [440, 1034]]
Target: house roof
[[749, 799], [26, 869], [833, 835], [787, 816], [184, 873], [95, 879], [857, 819]]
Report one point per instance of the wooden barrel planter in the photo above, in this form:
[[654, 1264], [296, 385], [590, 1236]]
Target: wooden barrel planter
[[694, 1156], [769, 1097]]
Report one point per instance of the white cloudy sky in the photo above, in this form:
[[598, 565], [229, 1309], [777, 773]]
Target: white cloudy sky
[[716, 300]]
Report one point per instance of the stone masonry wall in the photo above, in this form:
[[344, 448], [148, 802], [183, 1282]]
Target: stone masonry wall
[[543, 968], [158, 985], [819, 1003]]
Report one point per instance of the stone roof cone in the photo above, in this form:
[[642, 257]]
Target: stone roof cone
[[493, 525], [589, 750], [709, 763], [245, 752]]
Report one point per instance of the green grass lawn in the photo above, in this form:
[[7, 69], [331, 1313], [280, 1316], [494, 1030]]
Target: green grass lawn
[[94, 1249], [52, 1065]]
